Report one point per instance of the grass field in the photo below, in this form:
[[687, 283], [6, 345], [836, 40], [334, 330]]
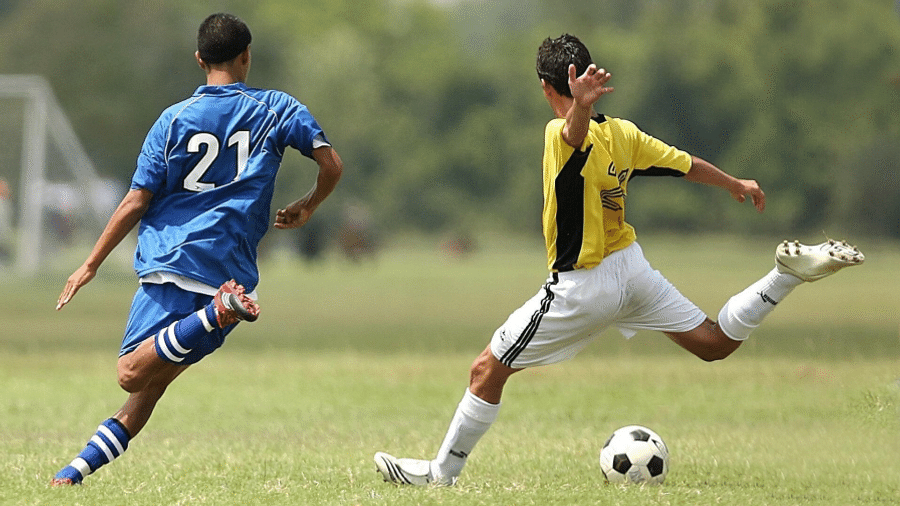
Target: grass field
[[347, 360]]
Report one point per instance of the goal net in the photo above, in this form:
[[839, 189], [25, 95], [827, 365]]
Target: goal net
[[51, 196]]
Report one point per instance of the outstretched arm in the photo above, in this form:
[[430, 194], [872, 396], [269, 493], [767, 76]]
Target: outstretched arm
[[586, 90], [125, 217], [707, 173], [297, 213]]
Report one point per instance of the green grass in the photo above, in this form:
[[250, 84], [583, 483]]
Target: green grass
[[348, 360]]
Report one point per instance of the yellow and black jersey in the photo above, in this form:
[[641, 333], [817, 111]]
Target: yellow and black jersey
[[584, 190]]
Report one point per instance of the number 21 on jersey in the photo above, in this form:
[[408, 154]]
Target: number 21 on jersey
[[241, 139]]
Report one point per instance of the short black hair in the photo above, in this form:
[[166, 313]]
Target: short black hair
[[222, 37], [554, 57]]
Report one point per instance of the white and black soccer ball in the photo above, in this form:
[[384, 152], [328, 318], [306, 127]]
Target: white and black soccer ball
[[635, 454]]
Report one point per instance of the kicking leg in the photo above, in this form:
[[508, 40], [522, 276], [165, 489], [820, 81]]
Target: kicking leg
[[707, 341], [795, 264]]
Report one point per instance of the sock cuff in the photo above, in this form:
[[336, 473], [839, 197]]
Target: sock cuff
[[478, 409], [118, 427], [732, 326]]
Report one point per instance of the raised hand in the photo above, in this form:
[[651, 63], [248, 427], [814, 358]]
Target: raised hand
[[590, 86]]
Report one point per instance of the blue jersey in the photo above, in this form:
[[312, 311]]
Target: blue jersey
[[210, 162]]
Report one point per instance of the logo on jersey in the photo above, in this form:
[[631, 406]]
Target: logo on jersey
[[609, 198]]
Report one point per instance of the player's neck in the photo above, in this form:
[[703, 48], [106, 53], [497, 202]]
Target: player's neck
[[561, 105], [222, 78]]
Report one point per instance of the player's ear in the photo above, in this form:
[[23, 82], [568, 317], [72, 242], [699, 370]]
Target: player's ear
[[200, 61], [548, 89]]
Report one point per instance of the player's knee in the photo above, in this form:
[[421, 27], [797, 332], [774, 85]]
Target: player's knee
[[481, 367], [488, 376], [711, 356], [129, 378], [718, 352], [128, 382]]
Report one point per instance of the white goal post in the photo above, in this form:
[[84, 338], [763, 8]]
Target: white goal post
[[45, 125]]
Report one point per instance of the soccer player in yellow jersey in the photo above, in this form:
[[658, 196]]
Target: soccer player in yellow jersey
[[599, 277]]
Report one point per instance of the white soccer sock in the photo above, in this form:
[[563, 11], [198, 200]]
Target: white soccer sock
[[746, 310], [472, 420]]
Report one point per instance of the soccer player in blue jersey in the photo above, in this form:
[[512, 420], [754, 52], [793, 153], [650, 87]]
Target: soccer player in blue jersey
[[201, 195], [599, 277]]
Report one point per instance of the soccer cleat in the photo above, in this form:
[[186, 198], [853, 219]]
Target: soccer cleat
[[63, 482], [232, 305], [408, 471], [812, 263]]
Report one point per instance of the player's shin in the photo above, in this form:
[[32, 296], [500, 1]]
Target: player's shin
[[472, 420], [747, 310], [108, 443]]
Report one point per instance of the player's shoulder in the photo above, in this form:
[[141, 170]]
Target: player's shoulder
[[613, 122], [620, 129], [272, 97]]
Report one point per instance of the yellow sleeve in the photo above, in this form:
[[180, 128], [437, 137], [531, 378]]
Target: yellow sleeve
[[650, 152]]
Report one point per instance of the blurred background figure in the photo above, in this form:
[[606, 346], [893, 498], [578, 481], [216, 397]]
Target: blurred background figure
[[357, 236]]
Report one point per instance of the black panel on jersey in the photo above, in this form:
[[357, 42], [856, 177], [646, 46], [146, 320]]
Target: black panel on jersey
[[570, 210], [656, 171]]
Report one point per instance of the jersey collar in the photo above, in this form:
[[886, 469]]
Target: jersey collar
[[227, 89]]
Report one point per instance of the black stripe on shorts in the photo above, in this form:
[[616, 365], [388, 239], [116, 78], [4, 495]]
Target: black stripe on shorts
[[525, 337]]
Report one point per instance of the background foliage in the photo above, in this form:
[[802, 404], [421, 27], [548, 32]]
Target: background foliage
[[436, 110]]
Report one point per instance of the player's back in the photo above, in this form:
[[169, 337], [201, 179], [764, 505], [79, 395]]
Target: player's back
[[211, 162]]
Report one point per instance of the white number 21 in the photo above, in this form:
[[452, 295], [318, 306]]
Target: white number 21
[[241, 138]]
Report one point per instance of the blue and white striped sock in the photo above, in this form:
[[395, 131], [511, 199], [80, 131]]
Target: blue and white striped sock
[[174, 342], [110, 442]]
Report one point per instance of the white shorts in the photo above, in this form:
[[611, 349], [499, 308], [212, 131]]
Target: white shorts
[[574, 307]]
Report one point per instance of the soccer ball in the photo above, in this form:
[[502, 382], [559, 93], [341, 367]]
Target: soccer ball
[[635, 454]]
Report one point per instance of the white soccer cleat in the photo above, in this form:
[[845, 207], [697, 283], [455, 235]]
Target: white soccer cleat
[[408, 471], [812, 263]]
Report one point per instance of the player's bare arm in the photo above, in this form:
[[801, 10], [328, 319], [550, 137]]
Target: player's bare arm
[[123, 220], [297, 213], [586, 89], [706, 173]]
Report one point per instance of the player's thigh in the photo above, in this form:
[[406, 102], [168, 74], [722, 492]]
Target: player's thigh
[[653, 303], [557, 323]]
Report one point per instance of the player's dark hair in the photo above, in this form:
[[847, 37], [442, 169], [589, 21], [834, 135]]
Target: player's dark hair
[[554, 57], [221, 38]]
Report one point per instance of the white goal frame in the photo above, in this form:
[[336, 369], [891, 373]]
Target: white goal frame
[[44, 122]]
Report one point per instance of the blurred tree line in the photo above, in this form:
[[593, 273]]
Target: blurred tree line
[[437, 111]]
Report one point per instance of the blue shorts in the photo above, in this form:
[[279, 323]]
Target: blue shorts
[[156, 306]]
